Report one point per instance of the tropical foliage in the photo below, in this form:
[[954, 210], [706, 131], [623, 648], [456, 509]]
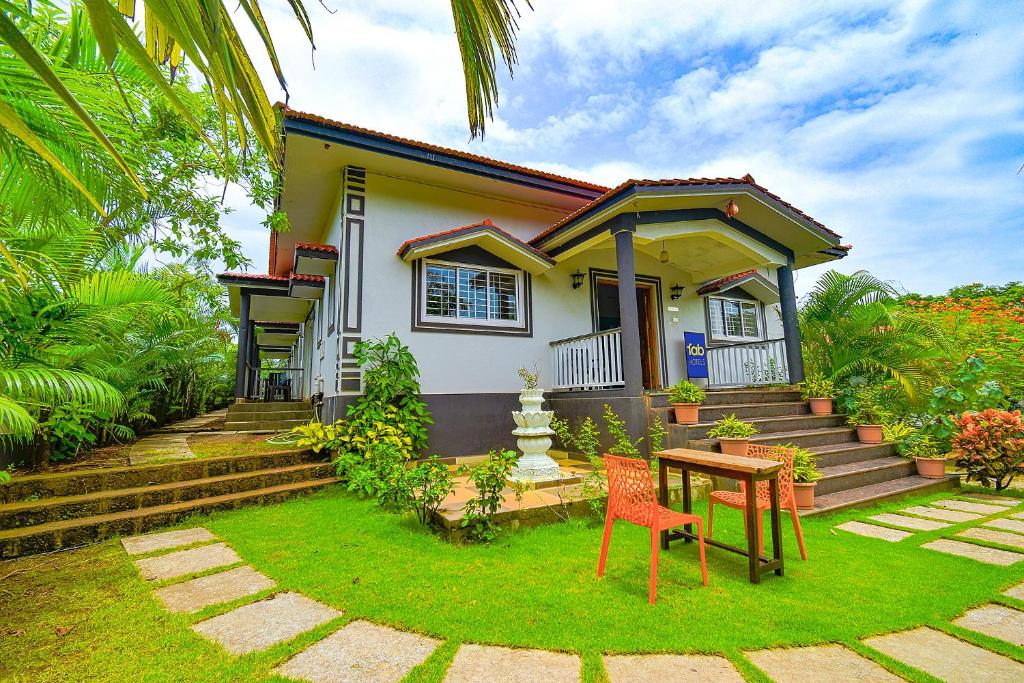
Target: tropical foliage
[[731, 427], [685, 392], [989, 445]]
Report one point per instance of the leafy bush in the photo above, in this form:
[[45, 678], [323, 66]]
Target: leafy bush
[[817, 386], [489, 478], [5, 476], [320, 436], [990, 446], [805, 465], [686, 392], [431, 482], [873, 404], [921, 445], [897, 432], [732, 427], [966, 390]]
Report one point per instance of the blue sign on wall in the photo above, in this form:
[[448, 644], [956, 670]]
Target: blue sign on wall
[[696, 355]]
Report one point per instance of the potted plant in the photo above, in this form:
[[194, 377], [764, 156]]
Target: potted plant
[[686, 398], [927, 455], [820, 393], [867, 414], [805, 477], [733, 435]]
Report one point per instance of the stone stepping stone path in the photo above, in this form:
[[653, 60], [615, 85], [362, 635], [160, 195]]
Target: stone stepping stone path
[[139, 545], [968, 506], [182, 562], [670, 669], [360, 652], [874, 531], [1007, 524], [997, 621], [994, 536], [974, 552], [194, 595], [475, 663], [995, 500], [1015, 592], [906, 522], [160, 447], [259, 625], [940, 514], [947, 658], [819, 663]]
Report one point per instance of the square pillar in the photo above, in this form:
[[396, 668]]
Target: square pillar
[[790, 324], [244, 332], [632, 370]]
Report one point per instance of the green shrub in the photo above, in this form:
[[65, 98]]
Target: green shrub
[[897, 432], [873, 403], [685, 392], [489, 478], [921, 445], [817, 386], [805, 465], [319, 436], [732, 428], [967, 390], [990, 446], [431, 482]]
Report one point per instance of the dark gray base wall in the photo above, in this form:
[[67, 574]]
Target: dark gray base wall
[[473, 424]]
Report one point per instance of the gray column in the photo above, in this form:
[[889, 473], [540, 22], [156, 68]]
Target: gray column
[[243, 345], [254, 363], [790, 324], [630, 320]]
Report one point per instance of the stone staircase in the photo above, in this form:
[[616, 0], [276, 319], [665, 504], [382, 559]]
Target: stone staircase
[[46, 512], [267, 417], [853, 473]]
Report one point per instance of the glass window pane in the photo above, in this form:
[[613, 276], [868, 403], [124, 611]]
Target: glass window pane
[[749, 320], [717, 322], [440, 295], [733, 326], [503, 297], [472, 294]]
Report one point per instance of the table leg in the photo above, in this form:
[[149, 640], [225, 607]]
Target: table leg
[[776, 523], [663, 496], [687, 502], [753, 553]]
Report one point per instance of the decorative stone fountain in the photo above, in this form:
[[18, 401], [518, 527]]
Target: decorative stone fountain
[[533, 427]]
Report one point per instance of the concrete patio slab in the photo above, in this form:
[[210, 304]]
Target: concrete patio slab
[[994, 536], [941, 514], [819, 663], [995, 500], [909, 522], [361, 652], [182, 562], [147, 543], [194, 595], [947, 658], [968, 506], [1007, 524], [874, 531], [261, 624], [1018, 515], [1015, 592], [474, 663], [670, 669], [997, 621], [975, 552]]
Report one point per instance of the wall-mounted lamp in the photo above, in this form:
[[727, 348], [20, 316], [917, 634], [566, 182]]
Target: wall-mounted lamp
[[577, 279], [677, 291]]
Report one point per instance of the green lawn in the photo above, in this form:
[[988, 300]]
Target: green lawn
[[532, 588]]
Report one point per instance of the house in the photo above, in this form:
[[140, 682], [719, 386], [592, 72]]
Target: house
[[483, 267]]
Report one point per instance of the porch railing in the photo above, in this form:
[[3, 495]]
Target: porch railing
[[588, 362], [748, 364], [276, 384]]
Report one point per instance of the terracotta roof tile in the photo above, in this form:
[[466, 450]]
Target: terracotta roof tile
[[290, 113], [485, 223], [254, 276], [307, 278], [313, 246], [716, 285]]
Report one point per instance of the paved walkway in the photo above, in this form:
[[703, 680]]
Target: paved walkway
[[171, 442], [361, 651]]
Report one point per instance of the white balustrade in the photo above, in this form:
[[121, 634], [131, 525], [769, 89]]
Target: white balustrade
[[591, 361], [748, 364]]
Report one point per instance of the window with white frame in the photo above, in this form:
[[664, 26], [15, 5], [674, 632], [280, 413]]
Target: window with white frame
[[460, 293], [734, 319]]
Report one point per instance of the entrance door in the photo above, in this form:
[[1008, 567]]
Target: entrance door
[[608, 318]]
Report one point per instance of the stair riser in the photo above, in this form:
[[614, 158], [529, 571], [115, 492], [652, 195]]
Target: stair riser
[[780, 425], [70, 538], [858, 479], [933, 487], [717, 398], [11, 519], [866, 452], [77, 483], [253, 416], [780, 409], [268, 407], [805, 440]]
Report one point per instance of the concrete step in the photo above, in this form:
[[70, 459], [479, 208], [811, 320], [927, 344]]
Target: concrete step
[[269, 407], [744, 411], [254, 415], [873, 493], [806, 438], [265, 425], [35, 512], [71, 533], [715, 397], [773, 425], [841, 454], [858, 474], [79, 482]]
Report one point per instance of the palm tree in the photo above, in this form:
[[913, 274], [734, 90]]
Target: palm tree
[[851, 325]]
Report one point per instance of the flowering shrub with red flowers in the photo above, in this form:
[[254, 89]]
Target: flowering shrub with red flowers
[[990, 446]]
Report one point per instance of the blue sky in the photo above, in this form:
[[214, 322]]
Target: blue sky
[[899, 124]]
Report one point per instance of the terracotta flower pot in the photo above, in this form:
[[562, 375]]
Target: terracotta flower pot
[[820, 406], [733, 446], [869, 433], [686, 413], [931, 468], [803, 494]]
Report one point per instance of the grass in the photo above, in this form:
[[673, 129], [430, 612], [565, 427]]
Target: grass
[[534, 588], [215, 445]]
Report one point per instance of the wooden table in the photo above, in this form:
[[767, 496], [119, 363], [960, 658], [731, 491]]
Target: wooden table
[[748, 470]]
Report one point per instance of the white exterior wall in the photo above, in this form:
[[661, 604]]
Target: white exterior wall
[[464, 363]]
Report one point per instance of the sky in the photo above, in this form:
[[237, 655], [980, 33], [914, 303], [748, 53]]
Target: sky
[[898, 124]]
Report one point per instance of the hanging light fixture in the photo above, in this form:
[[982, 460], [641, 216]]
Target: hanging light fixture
[[677, 291], [664, 254], [732, 208], [577, 279]]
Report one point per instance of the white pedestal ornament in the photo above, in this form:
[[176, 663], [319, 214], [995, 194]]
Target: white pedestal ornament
[[533, 427]]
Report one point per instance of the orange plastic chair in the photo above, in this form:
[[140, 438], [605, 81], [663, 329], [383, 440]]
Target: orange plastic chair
[[631, 497], [738, 500]]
